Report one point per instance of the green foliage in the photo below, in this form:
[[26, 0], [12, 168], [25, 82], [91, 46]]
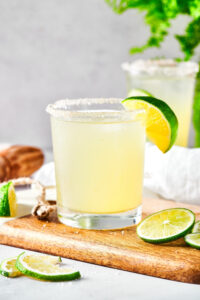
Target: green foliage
[[190, 40], [196, 111], [159, 14]]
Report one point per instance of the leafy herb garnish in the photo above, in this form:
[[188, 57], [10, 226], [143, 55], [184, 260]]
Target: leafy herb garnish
[[159, 14]]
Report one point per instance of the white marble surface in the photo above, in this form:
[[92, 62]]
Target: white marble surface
[[97, 282]]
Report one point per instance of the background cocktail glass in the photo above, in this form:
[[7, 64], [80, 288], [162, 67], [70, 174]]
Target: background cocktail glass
[[99, 156], [167, 80]]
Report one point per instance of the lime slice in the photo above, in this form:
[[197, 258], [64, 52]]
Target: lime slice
[[161, 122], [8, 202], [138, 92], [44, 267], [166, 225], [193, 240], [8, 268], [196, 227]]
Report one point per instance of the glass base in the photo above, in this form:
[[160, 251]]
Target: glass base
[[100, 221]]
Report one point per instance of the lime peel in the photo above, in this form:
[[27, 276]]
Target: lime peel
[[193, 240], [161, 121], [44, 267], [8, 268], [196, 228], [138, 92], [8, 202], [166, 225]]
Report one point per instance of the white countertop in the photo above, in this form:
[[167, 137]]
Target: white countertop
[[97, 282]]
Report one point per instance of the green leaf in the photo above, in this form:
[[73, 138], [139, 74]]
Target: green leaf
[[191, 39], [170, 8], [159, 14], [194, 8]]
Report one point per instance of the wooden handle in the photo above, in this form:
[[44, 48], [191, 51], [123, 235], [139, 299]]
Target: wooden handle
[[19, 161]]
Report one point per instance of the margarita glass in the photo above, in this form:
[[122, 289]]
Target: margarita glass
[[99, 156], [168, 80]]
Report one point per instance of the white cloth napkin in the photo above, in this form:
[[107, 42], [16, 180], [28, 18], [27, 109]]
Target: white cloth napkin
[[174, 175], [46, 174]]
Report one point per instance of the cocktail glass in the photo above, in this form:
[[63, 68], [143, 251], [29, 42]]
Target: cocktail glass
[[167, 80], [99, 156]]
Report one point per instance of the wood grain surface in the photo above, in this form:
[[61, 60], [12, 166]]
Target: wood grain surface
[[121, 249]]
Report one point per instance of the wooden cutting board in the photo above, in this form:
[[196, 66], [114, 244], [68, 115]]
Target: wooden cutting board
[[121, 249]]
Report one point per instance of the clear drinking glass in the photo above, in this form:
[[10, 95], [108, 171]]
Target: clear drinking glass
[[99, 156], [170, 81]]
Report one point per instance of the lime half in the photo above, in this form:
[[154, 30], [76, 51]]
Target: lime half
[[196, 227], [44, 267], [161, 121], [193, 240], [166, 225], [8, 202], [138, 92], [8, 268]]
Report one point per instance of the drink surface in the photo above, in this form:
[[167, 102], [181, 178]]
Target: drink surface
[[176, 92], [99, 166]]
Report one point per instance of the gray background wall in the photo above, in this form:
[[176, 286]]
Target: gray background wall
[[53, 49]]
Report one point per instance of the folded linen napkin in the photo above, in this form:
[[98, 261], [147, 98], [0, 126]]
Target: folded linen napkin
[[174, 175]]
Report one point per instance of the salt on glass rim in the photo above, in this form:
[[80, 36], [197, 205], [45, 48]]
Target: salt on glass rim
[[82, 110], [161, 67]]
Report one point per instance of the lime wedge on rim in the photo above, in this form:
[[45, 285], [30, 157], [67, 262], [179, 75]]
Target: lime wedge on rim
[[193, 240], [44, 267], [138, 92], [8, 202], [161, 121], [166, 225], [196, 227], [8, 268]]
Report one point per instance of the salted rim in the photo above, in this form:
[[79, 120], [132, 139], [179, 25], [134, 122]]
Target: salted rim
[[61, 110], [160, 67]]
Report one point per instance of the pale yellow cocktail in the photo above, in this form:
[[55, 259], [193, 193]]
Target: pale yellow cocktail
[[99, 157]]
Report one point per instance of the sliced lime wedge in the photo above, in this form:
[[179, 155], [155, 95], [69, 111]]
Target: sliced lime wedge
[[8, 268], [44, 267], [8, 202], [196, 227], [161, 122], [193, 240], [138, 92], [166, 225]]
